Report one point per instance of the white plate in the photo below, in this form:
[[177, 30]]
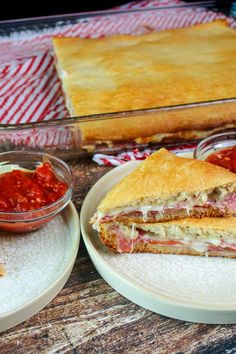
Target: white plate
[[196, 289], [38, 265]]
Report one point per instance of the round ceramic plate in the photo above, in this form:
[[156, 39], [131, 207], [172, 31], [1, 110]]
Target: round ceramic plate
[[197, 289], [38, 265]]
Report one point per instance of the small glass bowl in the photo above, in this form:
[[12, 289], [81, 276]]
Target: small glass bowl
[[214, 143], [19, 222]]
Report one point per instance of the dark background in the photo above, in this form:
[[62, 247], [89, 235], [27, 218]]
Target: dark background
[[35, 8], [12, 9]]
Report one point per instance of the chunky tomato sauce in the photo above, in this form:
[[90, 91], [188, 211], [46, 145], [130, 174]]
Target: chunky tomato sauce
[[225, 158], [23, 191]]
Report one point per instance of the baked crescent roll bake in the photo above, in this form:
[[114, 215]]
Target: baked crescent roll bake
[[128, 73]]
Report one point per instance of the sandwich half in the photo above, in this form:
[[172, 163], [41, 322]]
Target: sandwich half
[[190, 236], [166, 187]]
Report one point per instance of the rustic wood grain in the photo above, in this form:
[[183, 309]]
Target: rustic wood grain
[[88, 316]]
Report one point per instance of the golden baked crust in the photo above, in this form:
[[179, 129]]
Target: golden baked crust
[[160, 126], [125, 72], [2, 270], [163, 175]]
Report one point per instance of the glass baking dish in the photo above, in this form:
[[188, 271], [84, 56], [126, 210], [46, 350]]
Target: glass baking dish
[[73, 137]]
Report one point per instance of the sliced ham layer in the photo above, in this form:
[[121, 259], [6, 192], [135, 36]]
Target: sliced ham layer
[[229, 203], [126, 245]]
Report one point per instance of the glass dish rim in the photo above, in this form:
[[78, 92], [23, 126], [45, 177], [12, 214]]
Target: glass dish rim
[[216, 139], [209, 4], [66, 121]]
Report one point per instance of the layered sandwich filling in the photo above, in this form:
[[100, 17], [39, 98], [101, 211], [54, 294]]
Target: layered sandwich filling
[[222, 199], [202, 241]]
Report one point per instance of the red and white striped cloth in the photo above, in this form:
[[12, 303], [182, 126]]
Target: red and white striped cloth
[[136, 154], [30, 89]]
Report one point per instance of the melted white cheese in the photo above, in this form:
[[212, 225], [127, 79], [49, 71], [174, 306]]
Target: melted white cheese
[[4, 168], [133, 235], [199, 246]]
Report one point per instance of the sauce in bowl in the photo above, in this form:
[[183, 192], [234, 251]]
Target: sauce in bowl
[[22, 191], [225, 157]]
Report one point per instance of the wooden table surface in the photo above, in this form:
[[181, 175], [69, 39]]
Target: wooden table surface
[[88, 316]]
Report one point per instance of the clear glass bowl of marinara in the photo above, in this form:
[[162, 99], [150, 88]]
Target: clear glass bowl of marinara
[[34, 188], [219, 149]]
